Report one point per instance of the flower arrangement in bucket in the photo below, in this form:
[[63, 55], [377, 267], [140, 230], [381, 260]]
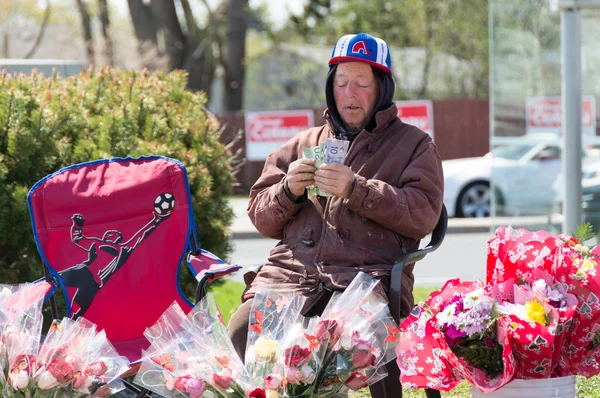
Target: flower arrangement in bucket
[[528, 331]]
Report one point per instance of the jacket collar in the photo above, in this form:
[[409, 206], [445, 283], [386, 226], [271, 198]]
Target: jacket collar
[[383, 119]]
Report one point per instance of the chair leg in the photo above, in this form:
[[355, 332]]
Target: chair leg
[[429, 393]]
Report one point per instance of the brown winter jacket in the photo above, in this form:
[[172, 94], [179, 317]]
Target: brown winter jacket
[[325, 242]]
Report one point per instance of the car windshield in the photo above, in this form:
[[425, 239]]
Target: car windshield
[[512, 152]]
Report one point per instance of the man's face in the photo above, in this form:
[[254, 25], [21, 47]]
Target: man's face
[[355, 92]]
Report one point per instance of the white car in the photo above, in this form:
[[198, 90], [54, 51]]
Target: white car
[[523, 172]]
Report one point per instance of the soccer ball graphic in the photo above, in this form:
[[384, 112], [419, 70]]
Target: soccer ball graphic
[[164, 203]]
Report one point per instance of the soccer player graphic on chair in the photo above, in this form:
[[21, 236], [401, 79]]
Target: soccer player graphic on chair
[[110, 250]]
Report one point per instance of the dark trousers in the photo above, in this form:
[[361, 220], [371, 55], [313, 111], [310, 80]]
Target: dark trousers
[[238, 332]]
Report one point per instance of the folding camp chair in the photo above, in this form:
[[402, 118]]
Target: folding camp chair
[[112, 234], [390, 386]]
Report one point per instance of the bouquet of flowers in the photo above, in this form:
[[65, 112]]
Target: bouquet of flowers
[[457, 334], [21, 332], [538, 310], [279, 356], [77, 360], [191, 354], [519, 254], [357, 338], [74, 360]]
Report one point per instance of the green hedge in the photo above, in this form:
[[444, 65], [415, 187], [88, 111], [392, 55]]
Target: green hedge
[[49, 123]]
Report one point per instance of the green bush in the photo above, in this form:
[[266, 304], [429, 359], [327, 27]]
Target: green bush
[[49, 123]]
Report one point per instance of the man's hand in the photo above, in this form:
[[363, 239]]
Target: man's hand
[[78, 220], [335, 178], [301, 174]]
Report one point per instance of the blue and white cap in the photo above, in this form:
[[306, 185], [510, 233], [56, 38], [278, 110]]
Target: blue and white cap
[[362, 48]]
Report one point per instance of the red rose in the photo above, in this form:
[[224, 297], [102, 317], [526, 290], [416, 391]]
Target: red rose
[[356, 381], [257, 393], [327, 330], [363, 359], [296, 356]]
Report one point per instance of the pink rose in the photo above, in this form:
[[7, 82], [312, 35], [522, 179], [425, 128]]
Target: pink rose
[[62, 371], [98, 368], [195, 387], [327, 330], [180, 381], [363, 359], [272, 382], [223, 380], [356, 381], [80, 378], [293, 375]]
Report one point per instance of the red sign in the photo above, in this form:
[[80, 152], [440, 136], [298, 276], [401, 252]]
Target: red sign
[[544, 114], [417, 113], [266, 131]]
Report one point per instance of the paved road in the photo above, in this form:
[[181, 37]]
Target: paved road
[[461, 255]]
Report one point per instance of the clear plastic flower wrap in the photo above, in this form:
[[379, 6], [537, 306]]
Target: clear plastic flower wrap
[[274, 314], [357, 337], [191, 354], [22, 329]]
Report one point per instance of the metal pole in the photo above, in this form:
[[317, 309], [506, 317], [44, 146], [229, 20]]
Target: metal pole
[[571, 117]]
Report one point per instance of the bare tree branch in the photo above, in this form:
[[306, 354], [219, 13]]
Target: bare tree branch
[[218, 40], [40, 35], [106, 32], [87, 31]]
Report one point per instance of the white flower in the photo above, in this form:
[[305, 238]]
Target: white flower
[[20, 380], [539, 286], [447, 315], [308, 374], [46, 381]]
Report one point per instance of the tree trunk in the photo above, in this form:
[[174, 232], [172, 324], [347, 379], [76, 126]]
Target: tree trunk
[[87, 32], [106, 32], [146, 31], [236, 51], [170, 30]]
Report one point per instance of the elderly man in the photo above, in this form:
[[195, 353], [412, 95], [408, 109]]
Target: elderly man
[[386, 196]]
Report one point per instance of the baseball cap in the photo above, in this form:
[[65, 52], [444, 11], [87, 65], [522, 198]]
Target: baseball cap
[[362, 47]]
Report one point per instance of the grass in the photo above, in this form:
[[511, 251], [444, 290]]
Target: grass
[[228, 298]]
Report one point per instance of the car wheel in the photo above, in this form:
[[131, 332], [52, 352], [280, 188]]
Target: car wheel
[[474, 200]]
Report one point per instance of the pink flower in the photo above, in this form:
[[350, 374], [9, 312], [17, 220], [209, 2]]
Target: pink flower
[[327, 330], [363, 359], [358, 343], [46, 381], [180, 382], [293, 375], [24, 362], [98, 368], [62, 371], [223, 380], [80, 378], [272, 382], [356, 381], [296, 355], [257, 393], [195, 387]]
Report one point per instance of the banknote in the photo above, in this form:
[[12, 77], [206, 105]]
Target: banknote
[[330, 151]]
